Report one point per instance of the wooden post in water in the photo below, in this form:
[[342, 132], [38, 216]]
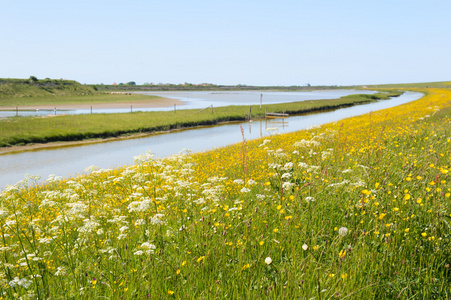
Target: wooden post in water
[[17, 111], [131, 108], [261, 96], [250, 112], [91, 109], [54, 110]]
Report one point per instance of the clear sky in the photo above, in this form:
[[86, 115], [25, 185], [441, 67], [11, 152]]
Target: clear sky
[[282, 42]]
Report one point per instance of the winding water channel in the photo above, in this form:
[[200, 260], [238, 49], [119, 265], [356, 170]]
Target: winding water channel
[[70, 161]]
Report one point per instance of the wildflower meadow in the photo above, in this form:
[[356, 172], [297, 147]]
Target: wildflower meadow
[[356, 209]]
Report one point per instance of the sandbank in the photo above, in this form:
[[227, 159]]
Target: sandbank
[[151, 103]]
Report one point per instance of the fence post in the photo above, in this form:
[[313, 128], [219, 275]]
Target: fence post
[[17, 111], [250, 112]]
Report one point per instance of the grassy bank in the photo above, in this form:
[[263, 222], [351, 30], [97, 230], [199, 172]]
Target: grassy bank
[[25, 130], [356, 209], [33, 87], [33, 91]]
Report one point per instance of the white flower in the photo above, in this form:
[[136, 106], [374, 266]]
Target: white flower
[[343, 231], [251, 182], [287, 185], [286, 176], [20, 282], [45, 240], [140, 222], [238, 181], [268, 260], [60, 271], [288, 166], [305, 247], [245, 190], [309, 199], [123, 228]]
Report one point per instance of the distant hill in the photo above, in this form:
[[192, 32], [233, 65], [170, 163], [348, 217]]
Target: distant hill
[[33, 87], [437, 84]]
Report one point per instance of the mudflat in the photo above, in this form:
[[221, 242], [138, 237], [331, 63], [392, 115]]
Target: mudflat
[[160, 102]]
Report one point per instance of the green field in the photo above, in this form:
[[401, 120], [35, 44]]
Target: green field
[[355, 209], [26, 130]]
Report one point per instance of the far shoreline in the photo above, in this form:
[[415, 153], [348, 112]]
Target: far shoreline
[[152, 103]]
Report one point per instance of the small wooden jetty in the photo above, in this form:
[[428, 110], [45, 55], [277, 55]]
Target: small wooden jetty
[[276, 115]]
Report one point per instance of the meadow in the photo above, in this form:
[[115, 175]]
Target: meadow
[[63, 128], [356, 209]]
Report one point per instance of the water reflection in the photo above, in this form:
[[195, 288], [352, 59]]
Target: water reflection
[[70, 161]]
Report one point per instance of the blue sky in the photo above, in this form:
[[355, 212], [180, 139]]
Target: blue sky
[[227, 42]]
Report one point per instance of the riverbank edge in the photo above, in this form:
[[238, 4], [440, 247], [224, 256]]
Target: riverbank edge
[[163, 129]]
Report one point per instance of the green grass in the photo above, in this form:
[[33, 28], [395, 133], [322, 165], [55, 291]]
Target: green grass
[[19, 88], [355, 209], [436, 84], [26, 130]]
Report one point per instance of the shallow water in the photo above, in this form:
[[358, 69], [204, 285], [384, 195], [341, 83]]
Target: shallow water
[[69, 161], [203, 99]]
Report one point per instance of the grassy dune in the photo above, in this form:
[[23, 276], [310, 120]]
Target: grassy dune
[[26, 130], [356, 209]]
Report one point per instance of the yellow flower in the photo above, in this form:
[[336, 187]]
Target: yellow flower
[[184, 263], [171, 292], [424, 234], [200, 258], [177, 272], [275, 229], [342, 253], [261, 243], [246, 266]]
